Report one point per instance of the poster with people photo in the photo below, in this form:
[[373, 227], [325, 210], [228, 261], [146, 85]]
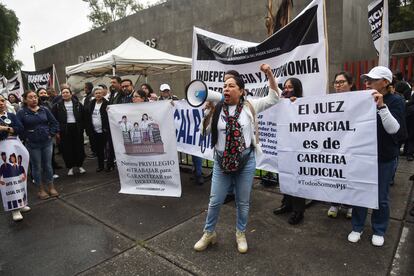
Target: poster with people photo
[[145, 147], [13, 173]]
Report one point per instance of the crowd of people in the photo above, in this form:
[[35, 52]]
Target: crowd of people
[[47, 122]]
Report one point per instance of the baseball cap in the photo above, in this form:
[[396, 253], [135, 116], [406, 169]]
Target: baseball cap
[[164, 86], [379, 72]]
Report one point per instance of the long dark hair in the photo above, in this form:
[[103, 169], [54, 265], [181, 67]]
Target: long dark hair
[[297, 87], [25, 94]]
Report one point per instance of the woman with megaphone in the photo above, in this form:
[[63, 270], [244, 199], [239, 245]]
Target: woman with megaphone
[[232, 124]]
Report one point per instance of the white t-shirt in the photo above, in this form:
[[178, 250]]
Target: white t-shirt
[[243, 120], [69, 112], [96, 118]]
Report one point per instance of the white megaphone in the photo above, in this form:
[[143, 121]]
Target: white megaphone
[[197, 94]]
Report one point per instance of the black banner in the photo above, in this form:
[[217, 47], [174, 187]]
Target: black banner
[[302, 31], [38, 79]]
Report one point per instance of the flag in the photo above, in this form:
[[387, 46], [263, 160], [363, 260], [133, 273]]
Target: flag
[[378, 21]]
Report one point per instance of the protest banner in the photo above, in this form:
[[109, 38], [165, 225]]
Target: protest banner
[[146, 156], [38, 79], [15, 85], [188, 130], [327, 148], [13, 173], [378, 21], [297, 50]]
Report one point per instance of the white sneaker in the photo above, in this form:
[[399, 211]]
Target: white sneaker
[[377, 240], [333, 212], [241, 241], [55, 176], [82, 170], [25, 209], [17, 216], [354, 236], [70, 172]]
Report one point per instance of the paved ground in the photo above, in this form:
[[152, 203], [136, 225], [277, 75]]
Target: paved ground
[[93, 230]]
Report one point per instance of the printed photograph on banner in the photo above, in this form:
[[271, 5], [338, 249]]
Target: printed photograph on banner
[[13, 174], [141, 135], [146, 156], [327, 148]]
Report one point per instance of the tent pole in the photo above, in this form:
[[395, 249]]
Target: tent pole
[[113, 70]]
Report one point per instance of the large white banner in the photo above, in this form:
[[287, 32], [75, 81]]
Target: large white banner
[[13, 173], [378, 21], [146, 156], [327, 148], [297, 50]]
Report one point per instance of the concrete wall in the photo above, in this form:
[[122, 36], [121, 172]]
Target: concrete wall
[[172, 24]]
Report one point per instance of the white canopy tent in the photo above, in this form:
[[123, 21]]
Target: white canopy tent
[[132, 57]]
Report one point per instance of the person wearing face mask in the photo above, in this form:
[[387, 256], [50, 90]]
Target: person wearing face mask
[[292, 89], [232, 124], [70, 115], [43, 98], [390, 119]]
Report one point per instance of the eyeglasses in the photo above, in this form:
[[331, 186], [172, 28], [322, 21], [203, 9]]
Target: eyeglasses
[[371, 80], [339, 82]]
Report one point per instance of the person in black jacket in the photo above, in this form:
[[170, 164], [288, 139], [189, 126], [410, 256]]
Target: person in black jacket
[[98, 124], [70, 115]]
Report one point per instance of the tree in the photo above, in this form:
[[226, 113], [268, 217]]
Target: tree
[[106, 11], [9, 36], [401, 14]]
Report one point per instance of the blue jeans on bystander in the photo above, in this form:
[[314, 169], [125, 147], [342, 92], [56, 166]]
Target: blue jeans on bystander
[[380, 217], [41, 161]]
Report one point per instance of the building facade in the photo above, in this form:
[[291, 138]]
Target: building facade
[[169, 28]]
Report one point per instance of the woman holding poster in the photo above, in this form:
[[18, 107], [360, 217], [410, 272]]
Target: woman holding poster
[[232, 124], [292, 89], [390, 118], [10, 127], [344, 82]]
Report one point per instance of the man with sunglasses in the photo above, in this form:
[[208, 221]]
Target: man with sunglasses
[[390, 122]]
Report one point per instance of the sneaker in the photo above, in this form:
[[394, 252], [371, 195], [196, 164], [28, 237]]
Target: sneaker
[[349, 213], [55, 176], [70, 172], [354, 236], [17, 216], [377, 240], [82, 170], [241, 242], [25, 209], [206, 239], [333, 212]]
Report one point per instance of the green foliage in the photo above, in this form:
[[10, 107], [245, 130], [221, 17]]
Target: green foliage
[[9, 36], [401, 15], [106, 11]]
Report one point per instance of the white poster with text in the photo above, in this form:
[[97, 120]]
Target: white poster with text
[[146, 156], [327, 148]]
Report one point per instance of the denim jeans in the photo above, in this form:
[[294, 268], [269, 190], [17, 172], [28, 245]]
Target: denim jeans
[[380, 217], [220, 184], [197, 163], [41, 161]]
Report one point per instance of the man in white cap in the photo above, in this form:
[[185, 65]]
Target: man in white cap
[[390, 130], [165, 93]]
